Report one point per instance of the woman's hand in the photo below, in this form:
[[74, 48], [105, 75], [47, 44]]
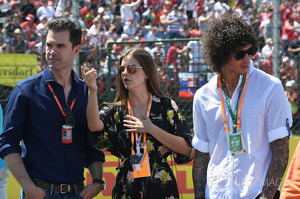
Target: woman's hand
[[136, 125], [89, 78]]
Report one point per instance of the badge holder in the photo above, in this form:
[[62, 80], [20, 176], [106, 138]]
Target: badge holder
[[66, 130], [66, 134], [140, 165], [236, 143], [140, 161]]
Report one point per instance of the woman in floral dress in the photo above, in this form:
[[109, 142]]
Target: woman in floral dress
[[139, 109]]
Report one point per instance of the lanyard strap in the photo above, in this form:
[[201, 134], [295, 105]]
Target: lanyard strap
[[57, 101], [137, 135], [236, 117]]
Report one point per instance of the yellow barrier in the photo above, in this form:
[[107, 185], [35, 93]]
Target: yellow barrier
[[16, 67], [109, 173]]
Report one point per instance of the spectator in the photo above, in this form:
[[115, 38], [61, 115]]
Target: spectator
[[127, 9], [42, 27], [196, 63], [46, 9], [28, 8], [205, 18], [267, 64], [287, 72], [293, 50], [291, 93], [111, 33], [172, 58], [117, 22], [89, 17], [269, 27], [190, 7], [220, 8], [255, 21], [97, 33], [11, 26], [175, 23], [159, 52], [32, 49], [84, 10], [106, 22], [129, 28], [149, 15], [18, 43], [164, 20], [5, 8], [29, 28], [152, 34], [288, 34], [267, 49]]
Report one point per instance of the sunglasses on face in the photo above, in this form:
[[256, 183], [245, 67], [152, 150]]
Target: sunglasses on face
[[131, 68], [239, 55]]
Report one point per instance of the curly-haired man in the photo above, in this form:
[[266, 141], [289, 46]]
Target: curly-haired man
[[241, 119]]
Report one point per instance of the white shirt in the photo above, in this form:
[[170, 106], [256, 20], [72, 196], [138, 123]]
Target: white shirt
[[48, 11], [126, 11], [263, 119], [266, 51], [96, 39]]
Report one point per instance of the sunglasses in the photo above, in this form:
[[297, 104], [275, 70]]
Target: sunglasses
[[70, 121], [131, 68], [239, 55]]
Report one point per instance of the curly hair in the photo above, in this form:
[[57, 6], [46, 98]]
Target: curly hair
[[225, 36]]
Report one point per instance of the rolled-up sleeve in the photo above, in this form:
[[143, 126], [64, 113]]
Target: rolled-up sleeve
[[15, 118], [200, 139]]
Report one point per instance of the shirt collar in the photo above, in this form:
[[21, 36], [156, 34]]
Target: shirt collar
[[47, 76]]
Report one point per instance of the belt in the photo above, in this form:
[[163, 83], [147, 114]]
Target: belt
[[62, 188]]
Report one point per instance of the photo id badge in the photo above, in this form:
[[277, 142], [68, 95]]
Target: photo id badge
[[140, 165], [236, 143], [66, 134]]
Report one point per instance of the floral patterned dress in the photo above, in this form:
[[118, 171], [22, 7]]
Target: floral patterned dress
[[161, 184]]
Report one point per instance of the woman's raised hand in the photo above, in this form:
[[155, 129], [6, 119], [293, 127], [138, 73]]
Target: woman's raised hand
[[89, 78]]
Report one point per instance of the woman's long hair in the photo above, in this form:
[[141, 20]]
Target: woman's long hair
[[150, 68]]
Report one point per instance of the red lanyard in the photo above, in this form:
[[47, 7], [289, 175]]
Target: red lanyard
[[57, 101], [238, 124], [138, 137]]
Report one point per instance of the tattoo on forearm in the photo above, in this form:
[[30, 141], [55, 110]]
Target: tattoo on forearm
[[280, 157], [200, 173]]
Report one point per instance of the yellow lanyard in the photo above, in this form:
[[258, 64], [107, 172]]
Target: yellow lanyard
[[137, 136]]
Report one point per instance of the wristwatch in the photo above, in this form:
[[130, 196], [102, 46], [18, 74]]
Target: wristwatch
[[100, 181]]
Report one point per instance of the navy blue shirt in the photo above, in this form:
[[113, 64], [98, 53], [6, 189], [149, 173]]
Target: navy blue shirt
[[32, 115]]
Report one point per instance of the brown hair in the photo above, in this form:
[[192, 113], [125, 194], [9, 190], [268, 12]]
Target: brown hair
[[150, 68]]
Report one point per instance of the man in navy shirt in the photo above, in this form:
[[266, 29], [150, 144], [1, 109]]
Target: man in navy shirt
[[48, 112]]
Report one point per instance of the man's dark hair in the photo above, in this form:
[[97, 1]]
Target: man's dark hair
[[226, 35], [64, 24]]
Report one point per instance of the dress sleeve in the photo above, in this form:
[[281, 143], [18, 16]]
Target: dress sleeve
[[177, 125], [106, 140]]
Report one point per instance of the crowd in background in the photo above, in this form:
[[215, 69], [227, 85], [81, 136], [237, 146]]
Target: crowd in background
[[23, 30]]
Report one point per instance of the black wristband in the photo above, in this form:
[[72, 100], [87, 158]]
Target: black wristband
[[100, 181]]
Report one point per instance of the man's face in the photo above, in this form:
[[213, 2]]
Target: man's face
[[59, 52], [241, 66]]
